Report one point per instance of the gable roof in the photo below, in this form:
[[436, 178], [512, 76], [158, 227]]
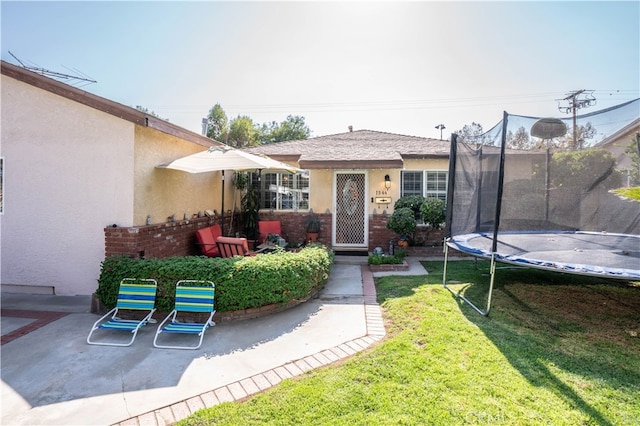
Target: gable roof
[[360, 149], [634, 126], [102, 104]]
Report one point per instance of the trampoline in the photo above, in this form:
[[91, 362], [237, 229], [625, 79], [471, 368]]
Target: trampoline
[[587, 253], [542, 200]]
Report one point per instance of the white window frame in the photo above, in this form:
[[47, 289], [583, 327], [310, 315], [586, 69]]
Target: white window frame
[[281, 191], [425, 192], [437, 193]]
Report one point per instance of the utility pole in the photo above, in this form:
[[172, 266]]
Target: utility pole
[[441, 127], [575, 103]]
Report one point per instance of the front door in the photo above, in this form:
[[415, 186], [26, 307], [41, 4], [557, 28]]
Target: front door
[[350, 224]]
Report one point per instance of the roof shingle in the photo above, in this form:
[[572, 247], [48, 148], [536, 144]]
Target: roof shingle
[[365, 149]]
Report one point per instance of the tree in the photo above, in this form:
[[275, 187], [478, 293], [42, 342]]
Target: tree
[[473, 133], [583, 134], [519, 140], [293, 128], [217, 124], [470, 131], [243, 133]]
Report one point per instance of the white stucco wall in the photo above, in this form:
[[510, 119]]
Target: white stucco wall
[[68, 174]]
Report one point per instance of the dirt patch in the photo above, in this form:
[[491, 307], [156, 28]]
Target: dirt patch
[[599, 311]]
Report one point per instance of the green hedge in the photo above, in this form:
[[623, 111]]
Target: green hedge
[[241, 282]]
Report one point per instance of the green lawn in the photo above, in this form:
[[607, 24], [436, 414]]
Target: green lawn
[[632, 193], [556, 349]]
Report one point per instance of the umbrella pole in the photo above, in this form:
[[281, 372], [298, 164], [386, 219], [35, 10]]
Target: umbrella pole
[[222, 218]]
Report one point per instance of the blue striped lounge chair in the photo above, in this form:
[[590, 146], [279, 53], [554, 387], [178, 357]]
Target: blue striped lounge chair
[[133, 295], [192, 297]]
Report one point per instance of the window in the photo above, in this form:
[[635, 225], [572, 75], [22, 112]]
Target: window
[[283, 191], [411, 183], [436, 185], [429, 184]]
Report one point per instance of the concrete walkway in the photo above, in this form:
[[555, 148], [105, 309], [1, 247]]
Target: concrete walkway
[[51, 376]]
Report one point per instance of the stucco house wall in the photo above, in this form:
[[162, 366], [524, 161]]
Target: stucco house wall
[[74, 165], [68, 171], [161, 193]]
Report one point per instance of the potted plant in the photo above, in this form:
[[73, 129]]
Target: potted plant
[[312, 225], [250, 203]]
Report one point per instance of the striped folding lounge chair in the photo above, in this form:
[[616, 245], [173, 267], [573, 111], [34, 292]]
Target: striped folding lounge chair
[[192, 296], [133, 295]]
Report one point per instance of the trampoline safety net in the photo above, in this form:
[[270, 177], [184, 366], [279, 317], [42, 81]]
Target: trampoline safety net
[[532, 175]]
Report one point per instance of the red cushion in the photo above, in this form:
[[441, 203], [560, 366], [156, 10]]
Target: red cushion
[[266, 227], [207, 240]]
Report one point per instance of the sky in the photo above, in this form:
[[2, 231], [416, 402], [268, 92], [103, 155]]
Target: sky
[[399, 67]]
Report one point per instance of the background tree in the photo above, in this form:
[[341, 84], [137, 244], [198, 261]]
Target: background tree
[[243, 132], [217, 124], [473, 133], [293, 128], [583, 134], [519, 140]]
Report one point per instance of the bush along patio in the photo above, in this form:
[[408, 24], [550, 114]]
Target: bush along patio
[[246, 287]]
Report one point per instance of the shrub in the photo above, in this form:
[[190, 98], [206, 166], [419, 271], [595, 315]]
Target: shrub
[[378, 259], [241, 282], [583, 170], [433, 211], [413, 202], [396, 259], [402, 221]]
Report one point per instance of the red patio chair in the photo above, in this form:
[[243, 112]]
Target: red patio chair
[[207, 240], [230, 247], [266, 227]]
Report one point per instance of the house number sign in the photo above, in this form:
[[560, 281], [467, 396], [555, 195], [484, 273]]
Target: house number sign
[[383, 200]]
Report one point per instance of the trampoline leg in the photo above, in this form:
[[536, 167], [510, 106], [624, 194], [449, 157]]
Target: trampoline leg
[[460, 296]]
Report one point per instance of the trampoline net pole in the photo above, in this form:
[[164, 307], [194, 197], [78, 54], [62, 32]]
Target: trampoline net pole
[[459, 295]]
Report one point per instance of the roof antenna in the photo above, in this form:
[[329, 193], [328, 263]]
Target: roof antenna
[[73, 80]]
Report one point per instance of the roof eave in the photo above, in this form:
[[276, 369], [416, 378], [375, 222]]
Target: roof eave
[[102, 104]]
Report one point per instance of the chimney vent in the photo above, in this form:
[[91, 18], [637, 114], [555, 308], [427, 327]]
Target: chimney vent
[[351, 128]]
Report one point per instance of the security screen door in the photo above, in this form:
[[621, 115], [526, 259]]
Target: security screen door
[[350, 228]]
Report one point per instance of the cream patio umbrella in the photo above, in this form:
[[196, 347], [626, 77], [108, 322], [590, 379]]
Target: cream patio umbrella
[[221, 158]]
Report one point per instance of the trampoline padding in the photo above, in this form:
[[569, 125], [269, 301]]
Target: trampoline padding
[[579, 252]]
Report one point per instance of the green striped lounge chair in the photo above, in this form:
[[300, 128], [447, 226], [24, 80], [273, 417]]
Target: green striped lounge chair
[[192, 296], [133, 295]]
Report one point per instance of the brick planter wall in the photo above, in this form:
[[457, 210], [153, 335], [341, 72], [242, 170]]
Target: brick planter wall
[[178, 238], [404, 266], [156, 241]]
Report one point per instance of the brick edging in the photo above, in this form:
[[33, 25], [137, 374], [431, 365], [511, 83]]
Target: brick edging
[[244, 388], [41, 318]]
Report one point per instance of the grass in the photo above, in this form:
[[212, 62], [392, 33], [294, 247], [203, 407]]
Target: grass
[[557, 349], [632, 193]]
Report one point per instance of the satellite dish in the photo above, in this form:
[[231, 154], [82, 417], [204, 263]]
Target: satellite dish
[[548, 128]]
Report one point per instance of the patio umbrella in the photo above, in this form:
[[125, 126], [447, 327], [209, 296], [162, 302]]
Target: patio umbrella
[[224, 158]]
